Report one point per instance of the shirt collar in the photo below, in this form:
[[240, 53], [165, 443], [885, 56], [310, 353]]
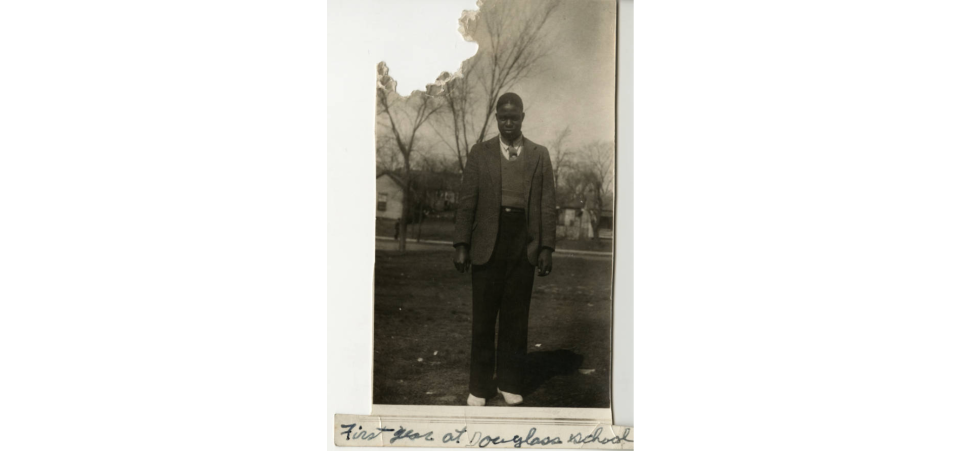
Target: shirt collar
[[518, 144]]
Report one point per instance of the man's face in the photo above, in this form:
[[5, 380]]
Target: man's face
[[509, 120]]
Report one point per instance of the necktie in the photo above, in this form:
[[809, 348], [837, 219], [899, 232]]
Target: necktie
[[513, 153]]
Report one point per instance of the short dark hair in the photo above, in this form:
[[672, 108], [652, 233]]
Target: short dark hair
[[510, 98]]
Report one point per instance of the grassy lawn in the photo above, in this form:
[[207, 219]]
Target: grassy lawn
[[441, 229], [422, 319], [585, 245]]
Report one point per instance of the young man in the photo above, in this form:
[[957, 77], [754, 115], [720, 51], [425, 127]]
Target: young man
[[506, 229]]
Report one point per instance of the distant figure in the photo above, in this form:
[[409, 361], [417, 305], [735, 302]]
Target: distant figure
[[506, 228], [396, 230]]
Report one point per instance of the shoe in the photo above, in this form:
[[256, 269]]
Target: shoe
[[475, 401], [510, 398]]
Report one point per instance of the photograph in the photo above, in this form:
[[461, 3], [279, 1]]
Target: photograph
[[495, 218]]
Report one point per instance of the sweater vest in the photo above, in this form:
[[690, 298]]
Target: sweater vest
[[511, 182]]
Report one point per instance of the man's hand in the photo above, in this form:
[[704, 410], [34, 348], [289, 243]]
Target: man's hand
[[462, 259], [545, 262]]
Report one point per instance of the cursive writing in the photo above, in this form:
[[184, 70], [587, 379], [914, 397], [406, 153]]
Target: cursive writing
[[408, 434], [448, 437], [595, 437], [360, 434], [353, 432], [481, 440]]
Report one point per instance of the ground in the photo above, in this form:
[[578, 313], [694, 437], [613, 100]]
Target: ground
[[422, 332], [441, 228]]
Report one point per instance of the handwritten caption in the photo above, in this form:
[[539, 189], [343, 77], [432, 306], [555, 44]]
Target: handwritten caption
[[355, 432]]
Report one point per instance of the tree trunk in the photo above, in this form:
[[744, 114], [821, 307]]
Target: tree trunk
[[406, 203], [580, 227], [595, 224], [596, 229], [419, 222]]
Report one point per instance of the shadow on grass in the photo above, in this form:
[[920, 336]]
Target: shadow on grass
[[544, 365]]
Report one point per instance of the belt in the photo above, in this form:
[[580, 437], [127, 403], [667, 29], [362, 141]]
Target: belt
[[512, 209]]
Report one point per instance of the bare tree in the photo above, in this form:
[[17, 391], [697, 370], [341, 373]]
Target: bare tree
[[419, 197], [597, 166], [428, 162], [516, 43], [426, 186], [456, 97], [388, 157], [416, 110], [560, 156], [573, 186]]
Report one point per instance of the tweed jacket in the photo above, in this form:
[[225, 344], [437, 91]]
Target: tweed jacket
[[478, 212]]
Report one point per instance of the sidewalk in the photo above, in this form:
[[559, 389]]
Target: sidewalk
[[414, 245]]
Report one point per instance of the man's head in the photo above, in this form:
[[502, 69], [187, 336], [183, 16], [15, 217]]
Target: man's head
[[509, 116]]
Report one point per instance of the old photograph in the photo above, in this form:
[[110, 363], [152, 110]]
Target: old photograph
[[495, 217]]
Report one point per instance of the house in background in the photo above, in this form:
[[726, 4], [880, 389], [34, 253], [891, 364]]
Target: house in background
[[573, 219], [435, 191], [571, 224], [431, 192], [389, 196]]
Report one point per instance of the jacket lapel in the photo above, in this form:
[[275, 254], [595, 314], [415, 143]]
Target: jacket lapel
[[493, 163], [529, 166]]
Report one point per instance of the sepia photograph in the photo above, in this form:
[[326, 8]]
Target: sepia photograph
[[495, 215]]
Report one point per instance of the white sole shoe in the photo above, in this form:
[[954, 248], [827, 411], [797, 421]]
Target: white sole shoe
[[510, 398], [475, 401]]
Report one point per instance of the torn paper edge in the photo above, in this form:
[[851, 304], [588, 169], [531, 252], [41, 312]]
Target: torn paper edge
[[467, 16]]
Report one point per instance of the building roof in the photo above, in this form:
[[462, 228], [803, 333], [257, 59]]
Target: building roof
[[397, 179]]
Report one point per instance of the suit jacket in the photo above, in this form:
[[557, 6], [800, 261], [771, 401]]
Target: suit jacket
[[478, 213]]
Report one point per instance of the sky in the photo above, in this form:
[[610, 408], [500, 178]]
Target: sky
[[574, 85]]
